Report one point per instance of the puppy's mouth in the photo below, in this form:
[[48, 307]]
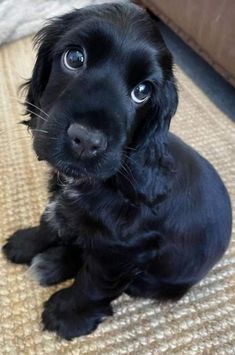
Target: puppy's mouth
[[97, 168], [77, 171]]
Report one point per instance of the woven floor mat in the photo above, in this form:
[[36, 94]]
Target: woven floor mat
[[203, 322]]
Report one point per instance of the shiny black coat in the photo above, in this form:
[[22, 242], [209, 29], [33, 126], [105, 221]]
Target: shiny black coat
[[150, 217]]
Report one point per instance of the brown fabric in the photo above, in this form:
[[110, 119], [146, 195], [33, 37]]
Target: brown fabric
[[207, 26], [203, 322]]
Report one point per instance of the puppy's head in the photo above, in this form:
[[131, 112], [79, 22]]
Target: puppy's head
[[102, 82]]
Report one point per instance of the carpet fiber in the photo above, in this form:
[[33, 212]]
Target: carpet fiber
[[203, 322]]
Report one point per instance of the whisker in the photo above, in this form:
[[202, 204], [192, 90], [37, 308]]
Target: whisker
[[54, 138], [130, 171], [39, 130], [33, 113], [30, 111], [127, 178], [29, 103], [122, 173], [27, 135], [128, 157], [130, 148], [46, 132]]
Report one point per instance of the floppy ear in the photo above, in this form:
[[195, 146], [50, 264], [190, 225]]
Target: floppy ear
[[157, 121], [41, 70], [44, 42], [165, 108]]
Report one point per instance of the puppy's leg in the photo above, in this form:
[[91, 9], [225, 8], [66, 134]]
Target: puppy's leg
[[78, 310], [24, 244], [149, 286], [57, 264]]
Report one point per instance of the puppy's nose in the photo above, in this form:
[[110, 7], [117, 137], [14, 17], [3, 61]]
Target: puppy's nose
[[86, 142]]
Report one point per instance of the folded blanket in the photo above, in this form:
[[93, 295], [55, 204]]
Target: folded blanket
[[21, 18]]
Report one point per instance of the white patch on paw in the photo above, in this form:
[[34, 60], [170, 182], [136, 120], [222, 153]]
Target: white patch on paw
[[38, 268]]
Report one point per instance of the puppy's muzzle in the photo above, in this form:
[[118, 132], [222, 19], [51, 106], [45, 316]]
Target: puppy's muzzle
[[86, 143]]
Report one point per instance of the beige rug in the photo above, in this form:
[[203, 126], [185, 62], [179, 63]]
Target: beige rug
[[203, 322]]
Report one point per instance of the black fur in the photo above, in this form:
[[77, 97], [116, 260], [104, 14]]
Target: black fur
[[150, 217]]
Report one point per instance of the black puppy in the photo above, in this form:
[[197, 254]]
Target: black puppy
[[132, 208]]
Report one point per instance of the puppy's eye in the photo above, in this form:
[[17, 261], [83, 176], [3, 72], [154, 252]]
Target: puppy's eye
[[73, 59], [142, 92]]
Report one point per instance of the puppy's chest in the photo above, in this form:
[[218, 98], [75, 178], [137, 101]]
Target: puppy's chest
[[88, 213]]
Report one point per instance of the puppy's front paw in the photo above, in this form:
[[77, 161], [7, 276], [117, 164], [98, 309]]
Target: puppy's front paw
[[20, 248], [56, 264], [70, 318]]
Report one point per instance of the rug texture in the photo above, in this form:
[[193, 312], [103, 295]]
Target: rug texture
[[203, 322]]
